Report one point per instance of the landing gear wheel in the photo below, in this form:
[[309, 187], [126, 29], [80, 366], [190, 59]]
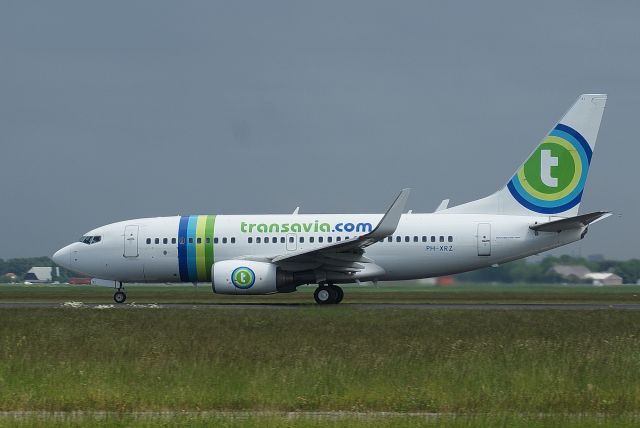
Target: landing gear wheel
[[119, 297], [328, 294], [325, 295], [339, 293]]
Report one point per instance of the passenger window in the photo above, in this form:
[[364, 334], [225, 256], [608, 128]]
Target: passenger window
[[441, 238], [190, 240], [181, 240], [157, 240], [215, 240], [266, 240], [173, 240], [148, 240], [224, 240], [311, 239], [258, 240], [338, 239], [282, 240], [165, 240], [424, 238], [329, 239], [291, 240], [398, 239], [208, 240], [320, 239], [302, 239], [274, 240], [415, 239], [250, 240], [407, 238], [199, 241], [450, 238], [233, 240], [390, 239], [433, 239]]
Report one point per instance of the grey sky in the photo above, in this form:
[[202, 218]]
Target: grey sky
[[116, 110]]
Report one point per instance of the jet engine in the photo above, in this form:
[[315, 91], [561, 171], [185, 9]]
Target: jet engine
[[250, 277]]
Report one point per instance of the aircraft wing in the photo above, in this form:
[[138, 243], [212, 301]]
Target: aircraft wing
[[571, 222], [347, 256]]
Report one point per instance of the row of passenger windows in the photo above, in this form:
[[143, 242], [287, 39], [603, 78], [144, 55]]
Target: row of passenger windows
[[424, 238], [191, 240], [301, 239]]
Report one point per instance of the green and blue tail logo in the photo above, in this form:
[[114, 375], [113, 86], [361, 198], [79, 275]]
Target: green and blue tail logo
[[551, 181]]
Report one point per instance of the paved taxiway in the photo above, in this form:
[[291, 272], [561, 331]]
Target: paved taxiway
[[426, 306]]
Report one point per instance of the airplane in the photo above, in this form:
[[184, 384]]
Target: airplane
[[536, 211]]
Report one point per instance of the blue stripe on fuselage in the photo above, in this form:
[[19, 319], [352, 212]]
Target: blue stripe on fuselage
[[182, 249], [191, 248]]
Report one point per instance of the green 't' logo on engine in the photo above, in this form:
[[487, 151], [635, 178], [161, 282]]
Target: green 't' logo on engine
[[243, 277]]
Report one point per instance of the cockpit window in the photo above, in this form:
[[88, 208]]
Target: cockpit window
[[90, 239]]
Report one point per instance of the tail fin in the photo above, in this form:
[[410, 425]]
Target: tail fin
[[552, 179]]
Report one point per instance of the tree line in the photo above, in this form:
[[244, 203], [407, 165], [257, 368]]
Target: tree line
[[516, 271], [541, 272]]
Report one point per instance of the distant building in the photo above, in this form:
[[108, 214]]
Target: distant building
[[571, 272], [445, 280], [583, 274], [10, 277], [39, 274], [604, 278]]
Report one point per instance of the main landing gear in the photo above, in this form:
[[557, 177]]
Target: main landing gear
[[120, 296], [328, 294]]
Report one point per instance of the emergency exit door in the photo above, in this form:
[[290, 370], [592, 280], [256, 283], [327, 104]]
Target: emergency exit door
[[484, 239], [131, 241]]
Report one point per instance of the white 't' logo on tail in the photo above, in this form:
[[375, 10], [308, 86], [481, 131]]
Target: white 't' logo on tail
[[546, 162]]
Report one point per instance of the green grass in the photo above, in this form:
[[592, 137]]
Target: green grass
[[513, 421], [472, 368], [318, 358], [388, 293]]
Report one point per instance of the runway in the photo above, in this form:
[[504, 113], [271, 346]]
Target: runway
[[422, 306]]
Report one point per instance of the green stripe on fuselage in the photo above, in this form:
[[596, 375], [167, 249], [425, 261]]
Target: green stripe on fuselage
[[208, 249]]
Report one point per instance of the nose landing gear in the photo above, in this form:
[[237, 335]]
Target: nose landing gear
[[328, 294], [120, 296]]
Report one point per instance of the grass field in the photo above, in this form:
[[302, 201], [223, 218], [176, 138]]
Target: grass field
[[400, 292], [185, 366]]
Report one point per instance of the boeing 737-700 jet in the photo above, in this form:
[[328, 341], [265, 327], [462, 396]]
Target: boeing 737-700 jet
[[536, 210]]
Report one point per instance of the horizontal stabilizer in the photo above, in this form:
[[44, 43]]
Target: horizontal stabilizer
[[576, 222]]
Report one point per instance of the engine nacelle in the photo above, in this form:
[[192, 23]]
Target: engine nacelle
[[249, 277]]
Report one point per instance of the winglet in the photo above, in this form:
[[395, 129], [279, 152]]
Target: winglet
[[391, 218]]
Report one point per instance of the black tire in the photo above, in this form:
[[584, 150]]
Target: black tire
[[340, 294], [325, 295], [119, 297]]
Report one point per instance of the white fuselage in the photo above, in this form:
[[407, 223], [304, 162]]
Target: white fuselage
[[175, 249]]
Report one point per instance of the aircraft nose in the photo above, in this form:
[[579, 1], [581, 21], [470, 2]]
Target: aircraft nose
[[62, 257]]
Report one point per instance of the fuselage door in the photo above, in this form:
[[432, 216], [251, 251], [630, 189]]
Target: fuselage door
[[484, 239], [292, 244], [131, 241]]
